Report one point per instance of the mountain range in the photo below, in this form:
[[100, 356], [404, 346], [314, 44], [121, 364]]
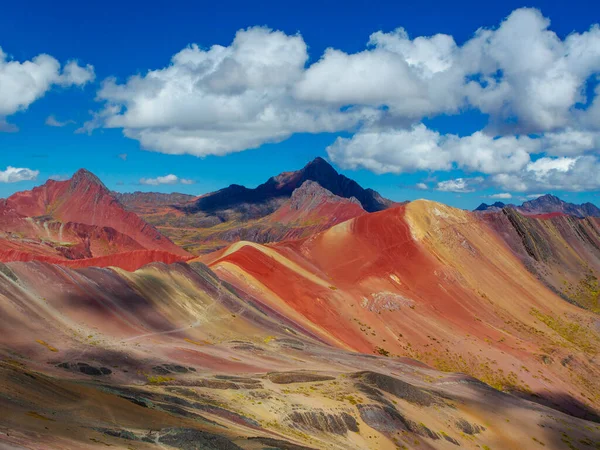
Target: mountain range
[[546, 204], [212, 221], [306, 313]]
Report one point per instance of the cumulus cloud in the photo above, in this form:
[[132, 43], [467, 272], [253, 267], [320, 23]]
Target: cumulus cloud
[[16, 174], [219, 100], [570, 142], [261, 89], [459, 185], [580, 173], [391, 151], [22, 83], [167, 179], [418, 148], [527, 75], [501, 196], [422, 186]]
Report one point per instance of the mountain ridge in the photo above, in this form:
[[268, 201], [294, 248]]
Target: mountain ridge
[[546, 204], [283, 185]]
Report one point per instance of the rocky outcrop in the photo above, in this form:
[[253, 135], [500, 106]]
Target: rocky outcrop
[[388, 421], [397, 388], [297, 377], [317, 420]]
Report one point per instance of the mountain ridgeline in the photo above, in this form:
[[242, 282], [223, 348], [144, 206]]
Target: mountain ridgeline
[[212, 221], [282, 186], [546, 204]]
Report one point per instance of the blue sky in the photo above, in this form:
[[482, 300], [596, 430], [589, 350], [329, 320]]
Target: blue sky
[[121, 39]]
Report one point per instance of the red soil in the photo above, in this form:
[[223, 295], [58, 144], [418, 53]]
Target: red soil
[[547, 215], [301, 294], [129, 261]]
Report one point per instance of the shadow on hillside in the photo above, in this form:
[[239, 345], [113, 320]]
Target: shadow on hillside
[[567, 404]]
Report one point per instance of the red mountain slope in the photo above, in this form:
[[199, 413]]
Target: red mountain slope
[[84, 199], [434, 283], [75, 219]]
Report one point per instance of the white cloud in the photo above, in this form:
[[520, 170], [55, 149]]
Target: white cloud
[[59, 177], [122, 156], [418, 148], [581, 173], [167, 179], [570, 142], [219, 100], [259, 89], [22, 83], [541, 76], [16, 174], [501, 196], [544, 166], [74, 74], [52, 121], [482, 153], [459, 185], [421, 186], [7, 127], [394, 151]]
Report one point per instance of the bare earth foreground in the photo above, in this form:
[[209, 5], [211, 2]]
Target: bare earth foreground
[[171, 357]]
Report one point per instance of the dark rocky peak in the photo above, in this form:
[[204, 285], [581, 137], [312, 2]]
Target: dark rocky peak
[[493, 207], [543, 200], [281, 187], [319, 168]]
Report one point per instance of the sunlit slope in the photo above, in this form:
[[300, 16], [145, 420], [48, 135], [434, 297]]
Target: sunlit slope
[[437, 284]]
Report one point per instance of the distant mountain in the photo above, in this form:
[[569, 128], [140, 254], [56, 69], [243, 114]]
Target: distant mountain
[[143, 202], [311, 200], [74, 219], [550, 203], [263, 214], [267, 197], [493, 207], [309, 210], [546, 204]]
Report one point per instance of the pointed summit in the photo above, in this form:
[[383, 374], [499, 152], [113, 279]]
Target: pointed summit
[[85, 200], [266, 198], [83, 178], [319, 169], [550, 203], [318, 162]]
